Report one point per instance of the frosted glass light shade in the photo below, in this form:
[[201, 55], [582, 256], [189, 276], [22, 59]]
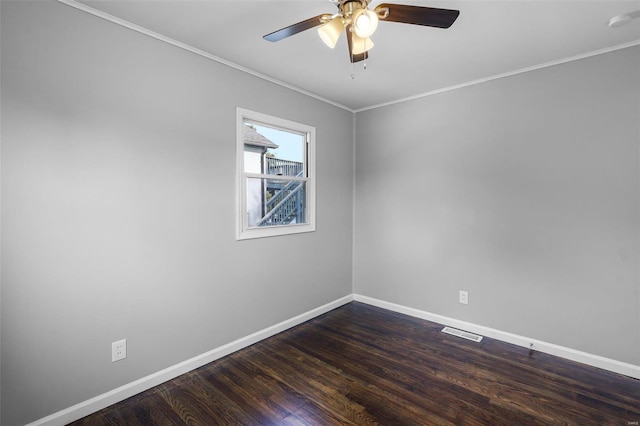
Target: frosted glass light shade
[[365, 22], [330, 32], [360, 45]]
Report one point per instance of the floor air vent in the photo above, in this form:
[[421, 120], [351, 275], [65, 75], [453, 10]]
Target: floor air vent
[[463, 334]]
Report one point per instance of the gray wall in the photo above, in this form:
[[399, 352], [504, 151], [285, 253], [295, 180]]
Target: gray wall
[[523, 191], [118, 208]]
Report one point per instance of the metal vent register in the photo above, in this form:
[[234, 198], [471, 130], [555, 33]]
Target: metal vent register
[[464, 334]]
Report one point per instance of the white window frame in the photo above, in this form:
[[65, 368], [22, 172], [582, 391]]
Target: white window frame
[[243, 231]]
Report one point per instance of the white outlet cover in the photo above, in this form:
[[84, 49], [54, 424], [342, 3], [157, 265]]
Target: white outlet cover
[[464, 297], [118, 350]]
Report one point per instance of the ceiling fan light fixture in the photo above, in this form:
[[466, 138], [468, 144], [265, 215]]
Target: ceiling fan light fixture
[[360, 23], [330, 32], [359, 45], [365, 22]]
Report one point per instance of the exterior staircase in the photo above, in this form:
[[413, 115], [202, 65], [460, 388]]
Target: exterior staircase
[[286, 199]]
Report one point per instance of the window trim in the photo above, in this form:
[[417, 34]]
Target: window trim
[[243, 232]]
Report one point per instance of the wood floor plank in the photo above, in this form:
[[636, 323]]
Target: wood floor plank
[[337, 383], [445, 396], [362, 365], [475, 378], [528, 378], [197, 403]]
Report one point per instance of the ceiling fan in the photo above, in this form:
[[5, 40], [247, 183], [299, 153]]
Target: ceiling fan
[[359, 22]]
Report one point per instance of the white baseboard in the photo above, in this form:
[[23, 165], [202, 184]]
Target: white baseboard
[[540, 346], [92, 405]]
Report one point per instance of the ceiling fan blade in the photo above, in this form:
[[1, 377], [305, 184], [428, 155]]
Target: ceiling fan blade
[[297, 28], [354, 58], [418, 15]]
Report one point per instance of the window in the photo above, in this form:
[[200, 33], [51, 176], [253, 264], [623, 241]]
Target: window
[[275, 168]]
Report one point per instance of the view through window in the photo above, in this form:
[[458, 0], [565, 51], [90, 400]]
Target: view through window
[[275, 179]]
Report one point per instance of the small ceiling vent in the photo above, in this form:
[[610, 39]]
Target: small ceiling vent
[[463, 334]]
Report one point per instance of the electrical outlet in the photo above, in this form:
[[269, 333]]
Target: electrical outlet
[[464, 297], [118, 350]]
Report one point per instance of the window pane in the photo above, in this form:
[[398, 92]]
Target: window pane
[[275, 202], [276, 176], [273, 151]]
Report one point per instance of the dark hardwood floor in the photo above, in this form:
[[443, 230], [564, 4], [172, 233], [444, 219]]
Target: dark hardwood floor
[[361, 365]]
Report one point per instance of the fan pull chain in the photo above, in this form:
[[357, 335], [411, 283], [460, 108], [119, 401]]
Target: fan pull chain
[[352, 75], [364, 47]]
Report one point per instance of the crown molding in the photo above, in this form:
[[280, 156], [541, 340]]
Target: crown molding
[[88, 9], [504, 75], [142, 30]]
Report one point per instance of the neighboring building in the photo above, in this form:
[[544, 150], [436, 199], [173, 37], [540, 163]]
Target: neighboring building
[[256, 147]]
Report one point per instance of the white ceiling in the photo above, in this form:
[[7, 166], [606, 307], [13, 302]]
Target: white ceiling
[[490, 38]]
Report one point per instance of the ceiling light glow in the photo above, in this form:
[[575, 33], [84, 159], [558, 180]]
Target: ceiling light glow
[[365, 22]]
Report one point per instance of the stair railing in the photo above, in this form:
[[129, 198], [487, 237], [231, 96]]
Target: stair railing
[[287, 207]]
